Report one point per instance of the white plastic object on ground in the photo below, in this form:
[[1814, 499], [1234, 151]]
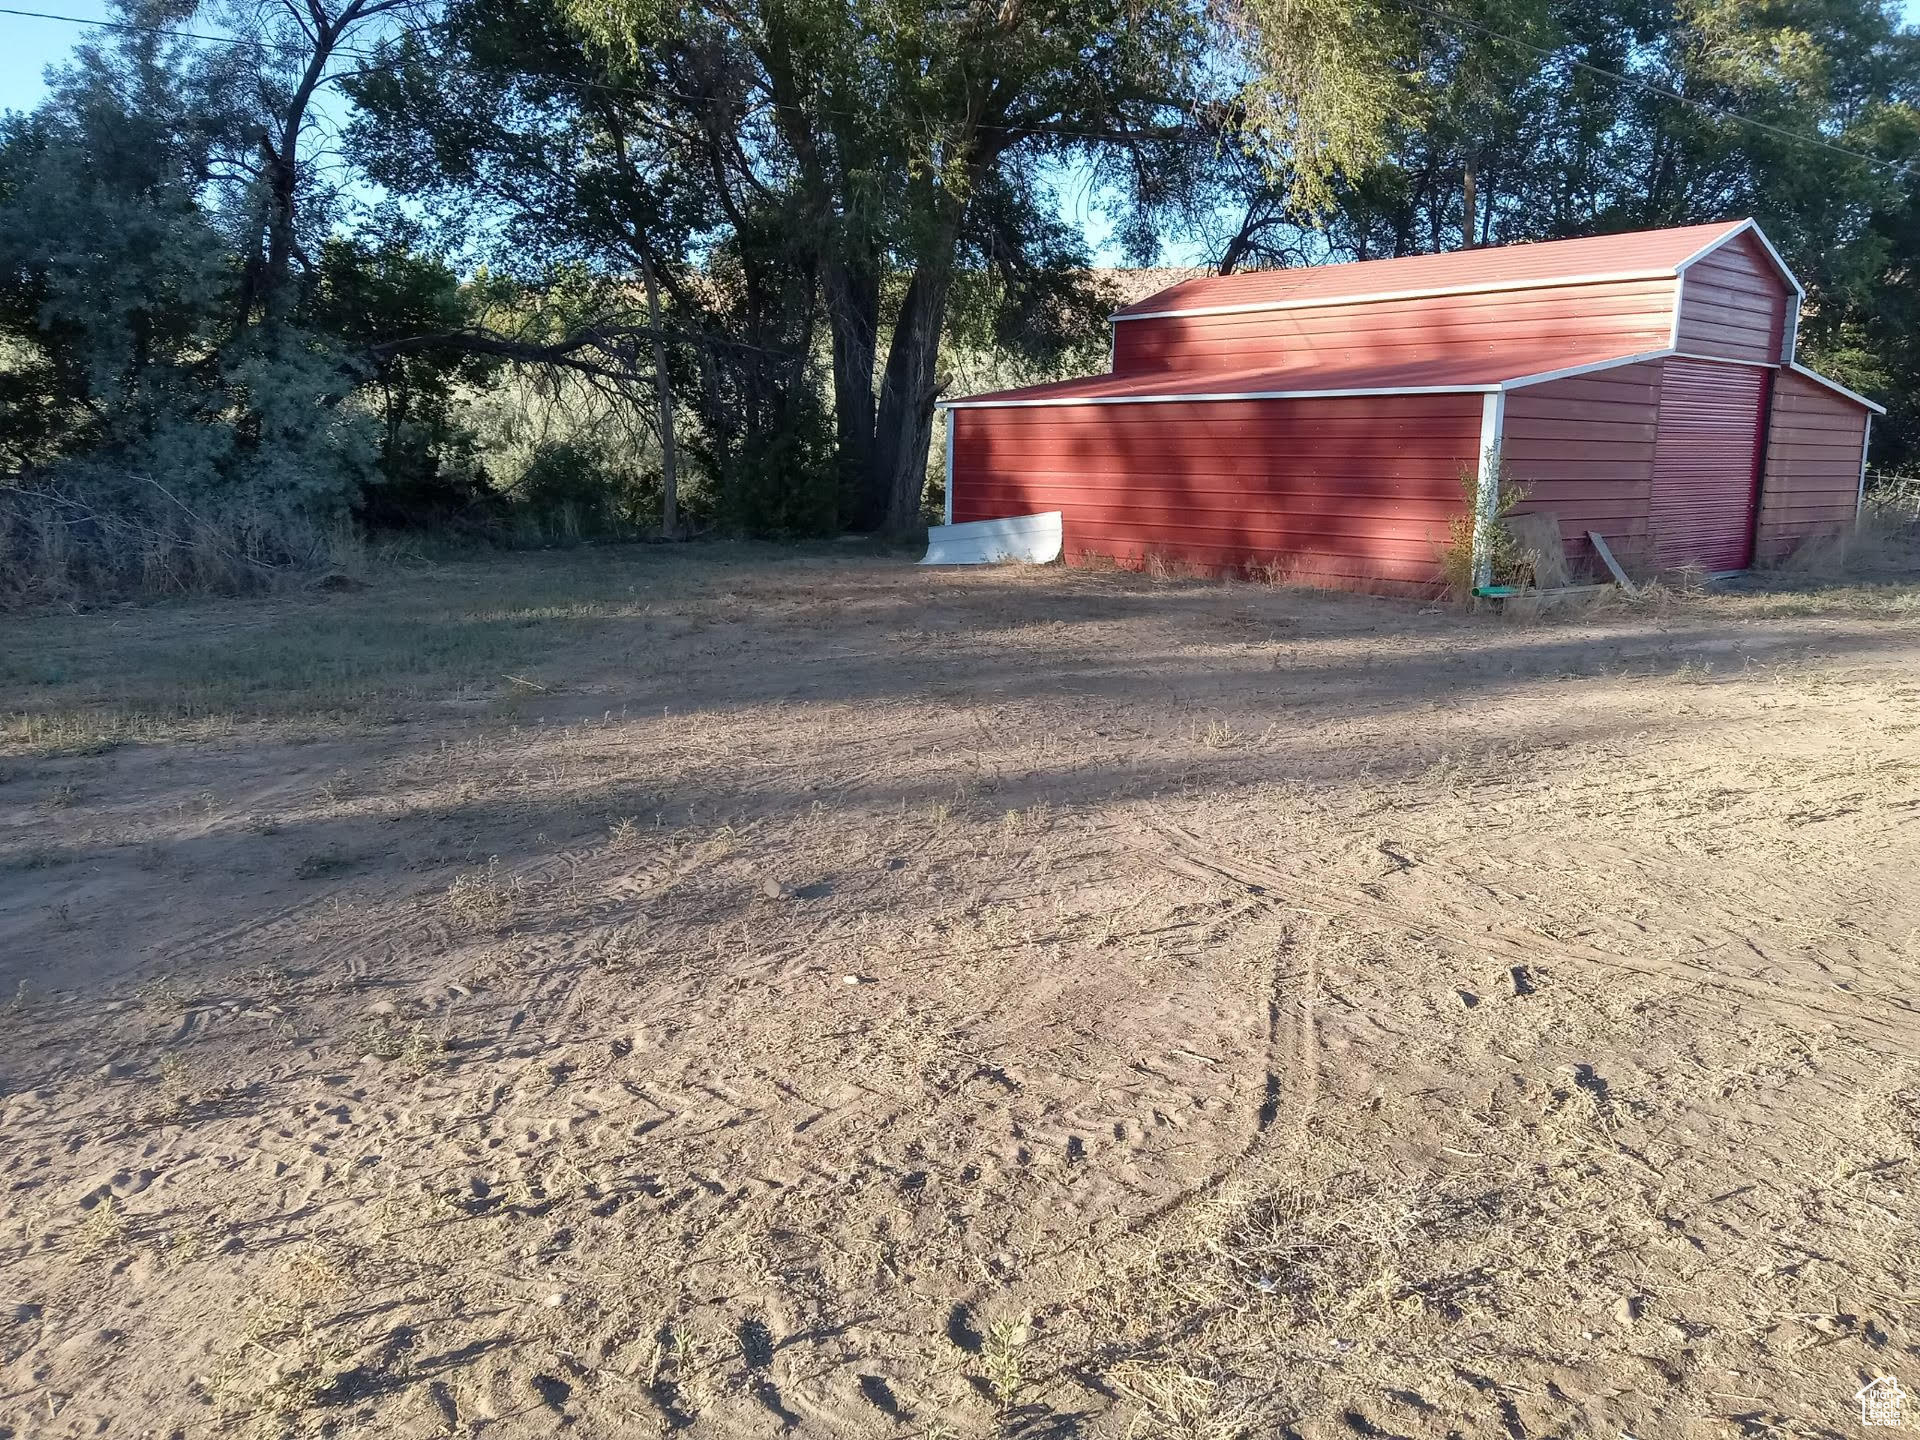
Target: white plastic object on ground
[[1031, 539]]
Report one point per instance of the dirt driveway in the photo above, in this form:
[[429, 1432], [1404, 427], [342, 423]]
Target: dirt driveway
[[751, 993]]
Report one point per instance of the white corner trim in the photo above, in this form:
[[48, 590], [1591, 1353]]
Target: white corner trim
[[1493, 419], [1792, 347], [949, 494], [1860, 500], [1834, 385], [952, 405], [1572, 370], [1673, 320], [1479, 287]]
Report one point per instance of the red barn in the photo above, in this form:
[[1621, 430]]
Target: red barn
[[1321, 420]]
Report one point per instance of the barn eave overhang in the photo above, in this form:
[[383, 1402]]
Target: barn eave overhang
[[1483, 387], [1489, 287], [1834, 385], [1208, 397]]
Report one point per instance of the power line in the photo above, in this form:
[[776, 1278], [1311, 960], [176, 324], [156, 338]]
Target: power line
[[1646, 86], [556, 81], [131, 26], [1651, 88]]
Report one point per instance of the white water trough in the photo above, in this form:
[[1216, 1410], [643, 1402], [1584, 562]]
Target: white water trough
[[1028, 539]]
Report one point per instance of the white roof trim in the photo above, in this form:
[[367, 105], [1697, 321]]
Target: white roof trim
[[1486, 287], [1209, 397], [1480, 287], [1836, 387], [1745, 226], [1727, 360], [1572, 370], [1519, 382]]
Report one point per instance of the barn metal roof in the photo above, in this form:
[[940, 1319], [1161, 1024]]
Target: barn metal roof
[[1505, 369], [1495, 366], [1633, 255]]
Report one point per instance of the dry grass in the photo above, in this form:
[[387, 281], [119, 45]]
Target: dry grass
[[289, 1355], [841, 999], [315, 661], [484, 899], [102, 1234], [77, 547]]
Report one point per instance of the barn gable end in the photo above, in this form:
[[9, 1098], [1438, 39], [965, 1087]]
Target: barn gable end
[[1736, 303]]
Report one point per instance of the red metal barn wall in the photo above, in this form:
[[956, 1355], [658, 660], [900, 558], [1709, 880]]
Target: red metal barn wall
[[1351, 493], [1583, 448], [1811, 483], [1622, 317], [1706, 463], [1735, 303]]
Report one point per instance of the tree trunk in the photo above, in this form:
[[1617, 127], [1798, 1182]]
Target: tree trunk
[[904, 429], [853, 315], [1469, 206], [663, 390]]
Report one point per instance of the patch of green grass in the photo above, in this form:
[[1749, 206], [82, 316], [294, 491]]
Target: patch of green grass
[[82, 684], [485, 627]]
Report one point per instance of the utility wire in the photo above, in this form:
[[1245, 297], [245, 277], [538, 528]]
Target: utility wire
[[1445, 17], [1651, 88], [128, 25], [556, 81]]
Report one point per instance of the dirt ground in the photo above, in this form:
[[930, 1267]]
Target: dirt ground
[[749, 993]]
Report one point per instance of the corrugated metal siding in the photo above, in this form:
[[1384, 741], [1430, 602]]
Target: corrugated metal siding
[[1706, 464], [1584, 449], [1734, 303], [1353, 493], [1811, 484], [1621, 318], [1634, 252]]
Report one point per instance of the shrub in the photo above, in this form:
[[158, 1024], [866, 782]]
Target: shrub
[[1512, 564], [787, 483], [136, 540]]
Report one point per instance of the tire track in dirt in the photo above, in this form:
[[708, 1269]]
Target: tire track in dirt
[[1186, 854]]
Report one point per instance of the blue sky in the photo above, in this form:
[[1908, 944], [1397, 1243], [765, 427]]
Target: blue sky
[[28, 46]]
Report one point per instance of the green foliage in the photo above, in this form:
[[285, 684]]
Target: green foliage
[[130, 365], [369, 292], [825, 214], [786, 485], [1330, 83], [113, 339], [1509, 562], [569, 490]]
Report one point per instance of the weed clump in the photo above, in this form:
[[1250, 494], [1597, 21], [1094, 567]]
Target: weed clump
[[1510, 561], [484, 900], [415, 1047], [103, 1232]]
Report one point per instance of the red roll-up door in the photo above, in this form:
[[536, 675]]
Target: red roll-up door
[[1706, 464]]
